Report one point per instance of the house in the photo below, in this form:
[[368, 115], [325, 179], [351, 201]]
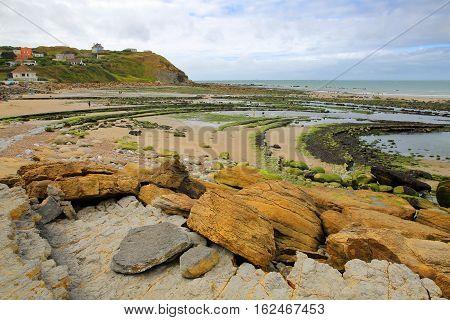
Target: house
[[23, 73], [97, 48], [16, 51], [38, 55], [76, 61], [10, 63], [130, 50], [25, 53], [27, 62], [64, 56]]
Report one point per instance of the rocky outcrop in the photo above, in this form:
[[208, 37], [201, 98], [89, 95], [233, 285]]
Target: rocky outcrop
[[232, 223], [291, 212], [436, 218], [8, 170], [443, 194], [197, 261], [334, 221], [430, 259], [176, 203], [148, 246], [150, 192], [238, 176], [375, 280], [396, 178], [338, 199], [26, 271], [77, 180]]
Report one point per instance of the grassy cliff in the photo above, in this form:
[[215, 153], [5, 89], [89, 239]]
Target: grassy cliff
[[109, 67]]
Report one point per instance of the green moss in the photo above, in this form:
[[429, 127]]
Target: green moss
[[294, 171], [168, 153], [225, 155], [270, 175], [330, 177], [78, 133], [298, 164], [125, 144], [148, 148], [317, 170]]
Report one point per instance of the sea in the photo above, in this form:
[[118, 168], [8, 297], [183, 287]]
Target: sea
[[418, 88]]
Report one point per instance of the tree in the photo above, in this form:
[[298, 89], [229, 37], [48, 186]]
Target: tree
[[8, 55]]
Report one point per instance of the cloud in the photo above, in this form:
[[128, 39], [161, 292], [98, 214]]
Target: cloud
[[272, 39]]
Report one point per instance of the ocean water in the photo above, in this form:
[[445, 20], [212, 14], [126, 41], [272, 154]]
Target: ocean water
[[432, 88]]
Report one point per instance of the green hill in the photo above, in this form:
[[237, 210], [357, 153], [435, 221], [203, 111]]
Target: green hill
[[110, 66]]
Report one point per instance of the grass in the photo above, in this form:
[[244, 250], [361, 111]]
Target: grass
[[80, 133], [124, 143], [210, 117], [239, 123]]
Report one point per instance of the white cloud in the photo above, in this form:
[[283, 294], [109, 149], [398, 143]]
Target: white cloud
[[246, 39]]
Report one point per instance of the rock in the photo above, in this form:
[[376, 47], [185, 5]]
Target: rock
[[255, 284], [294, 171], [443, 194], [197, 261], [49, 210], [292, 213], [405, 190], [141, 172], [97, 186], [148, 246], [276, 146], [420, 174], [225, 155], [230, 222], [175, 203], [317, 170], [418, 202], [324, 177], [58, 170], [150, 192], [217, 166], [68, 210], [436, 218], [334, 221], [337, 199], [361, 281], [396, 178], [384, 188], [238, 176], [192, 188], [363, 178], [297, 164], [430, 259], [171, 174], [135, 132]]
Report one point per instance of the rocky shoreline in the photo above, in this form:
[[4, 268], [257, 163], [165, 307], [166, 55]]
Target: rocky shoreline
[[85, 230]]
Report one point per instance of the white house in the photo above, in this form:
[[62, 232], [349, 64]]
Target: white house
[[23, 73], [38, 55], [64, 56], [28, 62], [97, 48], [11, 63], [130, 50]]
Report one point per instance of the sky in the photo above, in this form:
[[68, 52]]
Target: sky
[[250, 39]]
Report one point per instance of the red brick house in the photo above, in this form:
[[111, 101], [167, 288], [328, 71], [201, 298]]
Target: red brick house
[[25, 53]]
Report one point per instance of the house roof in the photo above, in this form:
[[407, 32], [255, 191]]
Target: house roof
[[22, 69]]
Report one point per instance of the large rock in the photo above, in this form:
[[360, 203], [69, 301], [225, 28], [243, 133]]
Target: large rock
[[238, 176], [197, 261], [140, 172], [229, 221], [150, 192], [146, 247], [361, 281], [396, 178], [77, 180], [430, 259], [291, 212], [14, 202], [97, 186], [58, 170], [443, 194], [436, 218], [337, 199], [49, 210], [171, 174], [334, 221], [176, 203]]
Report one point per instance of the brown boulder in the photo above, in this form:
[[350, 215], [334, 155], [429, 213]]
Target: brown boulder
[[436, 218], [175, 203], [141, 172], [291, 212], [337, 199], [239, 176], [59, 170], [171, 174], [150, 192], [97, 186], [230, 222], [334, 221], [430, 259]]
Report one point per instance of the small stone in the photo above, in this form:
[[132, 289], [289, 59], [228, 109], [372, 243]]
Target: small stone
[[49, 210], [68, 210], [148, 246], [197, 261]]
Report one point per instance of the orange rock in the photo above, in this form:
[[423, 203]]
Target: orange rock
[[174, 203], [337, 199], [238, 176], [230, 222], [150, 192], [435, 218]]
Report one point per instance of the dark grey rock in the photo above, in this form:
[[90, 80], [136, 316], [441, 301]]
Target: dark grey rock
[[146, 247]]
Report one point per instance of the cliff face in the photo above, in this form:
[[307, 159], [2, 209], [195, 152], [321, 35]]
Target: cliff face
[[109, 66]]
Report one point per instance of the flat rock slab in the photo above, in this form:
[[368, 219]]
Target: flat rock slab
[[148, 246]]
